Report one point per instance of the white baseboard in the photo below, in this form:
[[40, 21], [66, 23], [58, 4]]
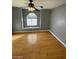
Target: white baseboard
[[29, 31], [57, 38]]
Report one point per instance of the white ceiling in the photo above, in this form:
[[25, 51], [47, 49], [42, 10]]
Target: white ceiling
[[47, 4]]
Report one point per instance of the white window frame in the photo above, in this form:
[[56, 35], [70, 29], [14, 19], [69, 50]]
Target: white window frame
[[30, 24], [29, 27]]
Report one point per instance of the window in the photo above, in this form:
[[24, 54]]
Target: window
[[31, 19]]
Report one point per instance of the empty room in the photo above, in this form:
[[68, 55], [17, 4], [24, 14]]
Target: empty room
[[38, 29]]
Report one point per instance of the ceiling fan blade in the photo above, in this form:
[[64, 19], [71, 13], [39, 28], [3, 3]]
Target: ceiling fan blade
[[36, 9], [41, 6]]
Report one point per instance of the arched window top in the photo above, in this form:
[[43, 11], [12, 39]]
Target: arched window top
[[31, 16], [31, 19]]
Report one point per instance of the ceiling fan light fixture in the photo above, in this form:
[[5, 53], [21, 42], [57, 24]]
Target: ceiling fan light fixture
[[31, 8]]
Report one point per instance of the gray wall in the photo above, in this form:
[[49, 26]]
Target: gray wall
[[58, 22], [17, 23]]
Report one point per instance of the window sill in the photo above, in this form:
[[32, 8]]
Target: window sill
[[31, 27]]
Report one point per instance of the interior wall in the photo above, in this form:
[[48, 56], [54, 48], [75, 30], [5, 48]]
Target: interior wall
[[17, 20], [58, 22]]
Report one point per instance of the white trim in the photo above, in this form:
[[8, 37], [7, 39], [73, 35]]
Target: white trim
[[22, 19], [28, 27], [31, 27], [57, 38], [30, 31]]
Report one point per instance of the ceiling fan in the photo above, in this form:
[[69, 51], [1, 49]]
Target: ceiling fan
[[31, 6]]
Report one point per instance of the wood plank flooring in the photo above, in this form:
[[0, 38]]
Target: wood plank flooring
[[37, 45]]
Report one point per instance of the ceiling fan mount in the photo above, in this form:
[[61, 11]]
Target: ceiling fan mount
[[31, 6], [30, 1]]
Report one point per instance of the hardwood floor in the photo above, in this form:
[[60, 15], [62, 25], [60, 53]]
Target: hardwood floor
[[37, 45]]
